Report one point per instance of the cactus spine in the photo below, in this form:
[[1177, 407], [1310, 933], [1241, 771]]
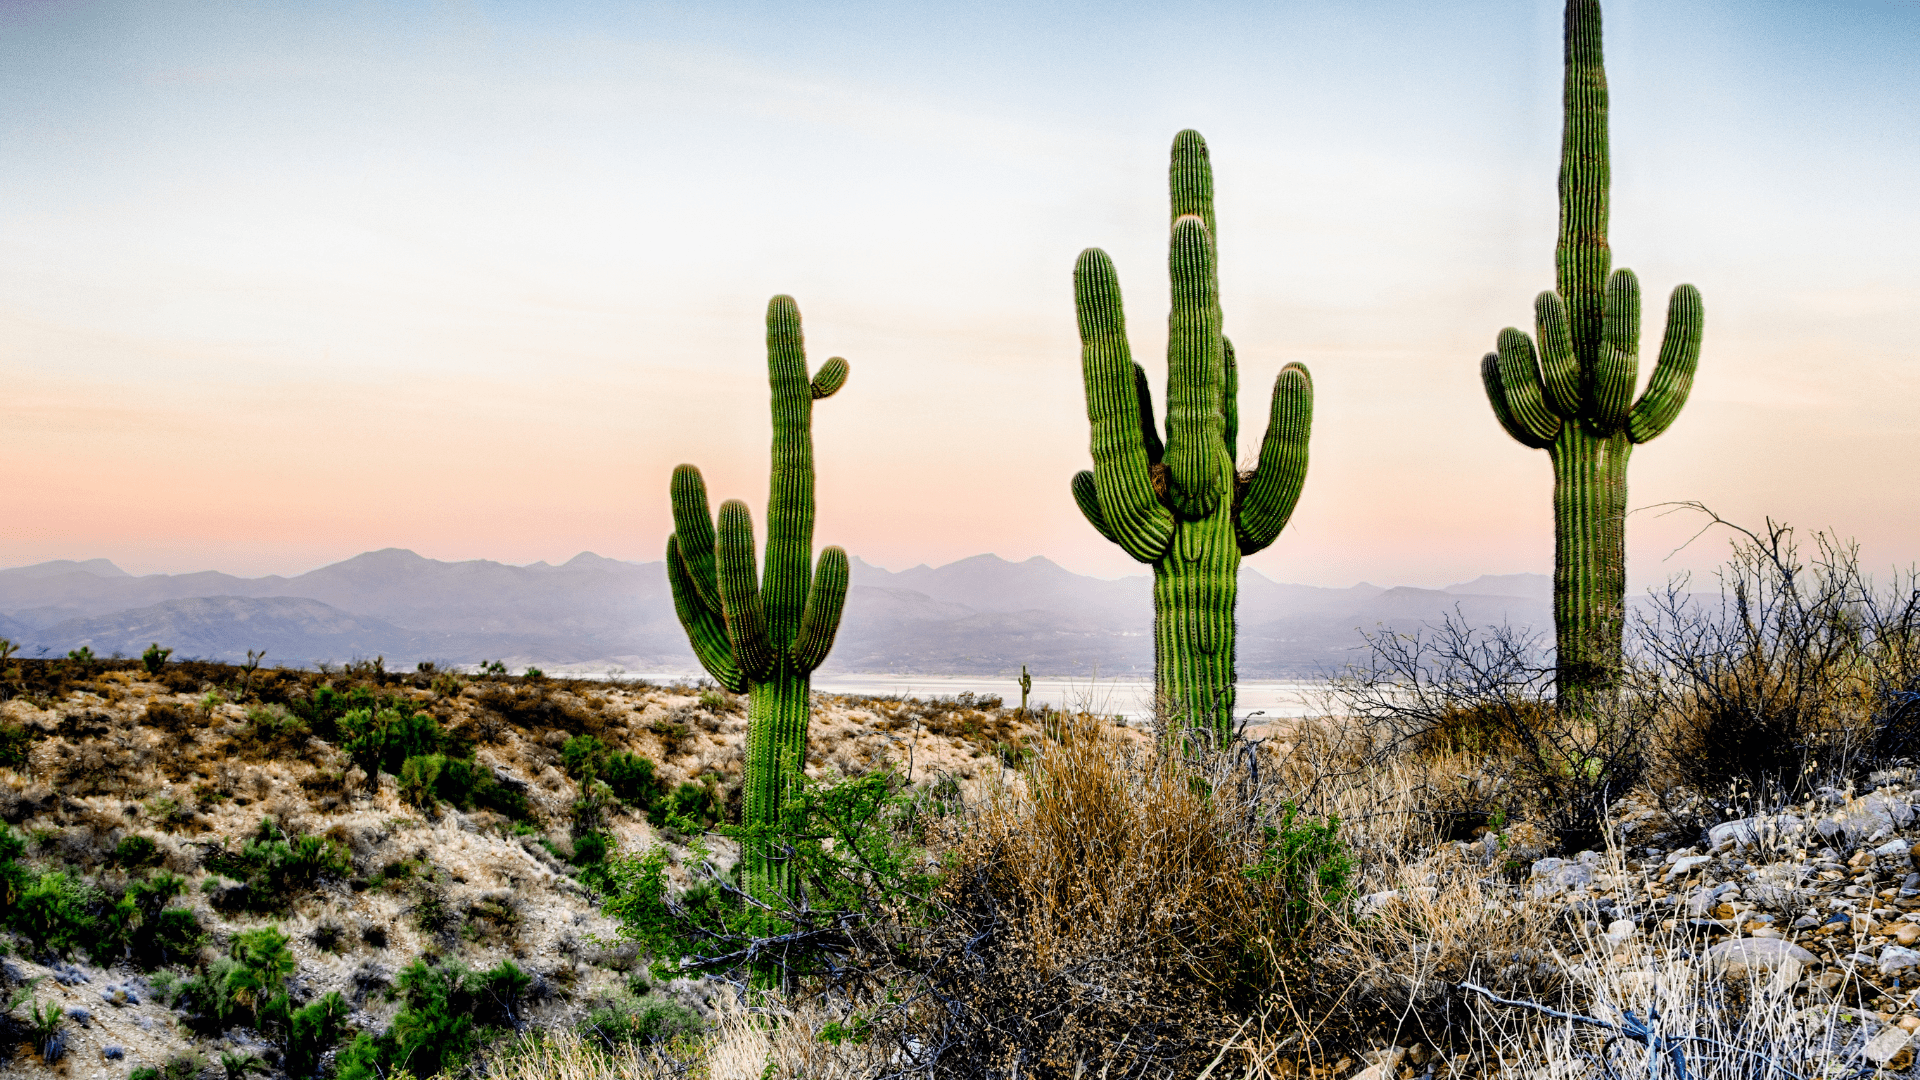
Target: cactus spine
[[1572, 398], [1181, 506], [764, 638]]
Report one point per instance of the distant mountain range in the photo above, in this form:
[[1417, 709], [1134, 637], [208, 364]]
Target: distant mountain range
[[978, 616]]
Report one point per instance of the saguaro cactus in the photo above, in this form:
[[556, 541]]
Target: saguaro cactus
[[1572, 397], [764, 639], [1181, 506]]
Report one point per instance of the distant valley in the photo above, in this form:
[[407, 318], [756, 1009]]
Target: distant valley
[[978, 616]]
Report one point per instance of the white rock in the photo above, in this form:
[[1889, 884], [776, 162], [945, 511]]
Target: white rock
[[1885, 1046], [1896, 958], [1374, 903], [1741, 954], [1682, 867], [1895, 848]]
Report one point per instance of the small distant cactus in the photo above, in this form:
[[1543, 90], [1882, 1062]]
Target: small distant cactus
[[1574, 399], [1182, 506], [765, 637], [1026, 686]]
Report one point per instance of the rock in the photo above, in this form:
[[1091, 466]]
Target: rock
[[1907, 934], [1683, 866], [1375, 903], [112, 1052], [1895, 848], [80, 1016], [1886, 1046], [1741, 954], [1754, 831], [1564, 878], [1896, 958]]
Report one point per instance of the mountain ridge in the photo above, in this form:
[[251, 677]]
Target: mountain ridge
[[979, 615]]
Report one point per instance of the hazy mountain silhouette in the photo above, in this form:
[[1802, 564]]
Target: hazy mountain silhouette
[[983, 615]]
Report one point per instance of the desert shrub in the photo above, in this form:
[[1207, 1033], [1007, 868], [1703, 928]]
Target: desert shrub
[[698, 803], [14, 874], [246, 986], [673, 735], [155, 658], [161, 935], [583, 755], [136, 852], [1801, 670], [644, 1021], [171, 717], [633, 779], [1488, 692], [716, 701], [322, 707], [445, 1011], [429, 779], [271, 731], [15, 746], [381, 739], [273, 867], [1121, 909], [178, 1067], [62, 913], [313, 1030]]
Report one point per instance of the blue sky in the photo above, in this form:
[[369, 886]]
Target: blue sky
[[282, 282]]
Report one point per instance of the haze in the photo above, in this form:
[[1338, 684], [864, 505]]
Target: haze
[[280, 282]]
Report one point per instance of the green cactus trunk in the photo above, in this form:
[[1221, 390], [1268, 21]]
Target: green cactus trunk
[[1589, 555], [1181, 506], [765, 637], [1193, 625], [777, 717], [1573, 397]]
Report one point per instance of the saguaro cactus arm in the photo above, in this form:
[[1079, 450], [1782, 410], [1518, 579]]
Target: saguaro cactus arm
[[1512, 378], [706, 629], [1673, 375], [1558, 362], [821, 620], [1270, 496], [1196, 447], [1618, 363], [1132, 513], [1088, 500], [740, 591], [830, 378]]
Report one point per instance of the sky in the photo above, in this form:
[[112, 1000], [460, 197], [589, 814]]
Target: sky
[[285, 282]]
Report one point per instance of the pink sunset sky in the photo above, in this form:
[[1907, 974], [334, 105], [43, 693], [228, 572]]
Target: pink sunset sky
[[280, 283]]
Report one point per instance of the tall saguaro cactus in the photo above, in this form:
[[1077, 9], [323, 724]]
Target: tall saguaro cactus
[[764, 638], [1181, 506], [1574, 398]]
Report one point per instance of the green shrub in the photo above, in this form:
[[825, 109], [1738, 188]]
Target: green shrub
[[136, 853], [633, 780], [13, 873], [274, 868], [433, 778], [15, 746], [177, 1067], [381, 739], [645, 1021], [446, 1011], [271, 730], [695, 803], [155, 658], [312, 1031], [584, 755], [64, 914], [322, 709], [161, 935]]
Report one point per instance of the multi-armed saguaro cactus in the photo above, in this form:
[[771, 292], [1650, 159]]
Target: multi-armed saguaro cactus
[[1181, 506], [764, 639], [1575, 397]]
